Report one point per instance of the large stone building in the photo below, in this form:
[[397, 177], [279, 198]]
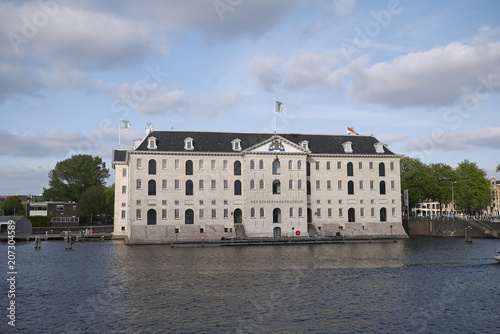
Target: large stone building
[[193, 185], [494, 208]]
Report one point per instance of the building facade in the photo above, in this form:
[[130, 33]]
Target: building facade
[[52, 209], [494, 208], [190, 185]]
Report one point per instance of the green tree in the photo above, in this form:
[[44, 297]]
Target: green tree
[[110, 200], [441, 178], [12, 205], [93, 202], [473, 188], [498, 168], [72, 177], [415, 177]]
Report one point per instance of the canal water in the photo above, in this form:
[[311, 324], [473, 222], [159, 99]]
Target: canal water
[[421, 285]]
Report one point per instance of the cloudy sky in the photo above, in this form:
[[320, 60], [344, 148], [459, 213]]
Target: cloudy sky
[[423, 76]]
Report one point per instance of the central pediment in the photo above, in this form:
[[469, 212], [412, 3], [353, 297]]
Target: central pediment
[[276, 144]]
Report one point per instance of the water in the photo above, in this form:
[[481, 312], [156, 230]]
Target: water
[[425, 285]]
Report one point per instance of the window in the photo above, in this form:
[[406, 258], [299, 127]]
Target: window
[[252, 164], [318, 185], [152, 187], [226, 184], [361, 185], [252, 213], [164, 202], [291, 212], [276, 167], [276, 187], [139, 163], [290, 185], [226, 213], [236, 143], [201, 184], [277, 215], [370, 164], [360, 165], [212, 164], [177, 185], [214, 213], [124, 189], [299, 184], [138, 214], [124, 172], [224, 164], [201, 164], [350, 169], [329, 185], [176, 214], [351, 215], [261, 212], [237, 168], [381, 169], [383, 214], [138, 184], [317, 165], [164, 163], [261, 184], [189, 188], [391, 165], [152, 167], [151, 217], [339, 184], [252, 184], [177, 164], [394, 212], [304, 144], [372, 185], [350, 188], [299, 165], [237, 187], [329, 212], [372, 212], [382, 187], [318, 212], [290, 165], [341, 214], [188, 144], [164, 214], [300, 212], [214, 184], [261, 164], [123, 214], [328, 167], [393, 184], [347, 147], [189, 167]]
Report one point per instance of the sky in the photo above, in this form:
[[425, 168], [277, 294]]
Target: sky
[[422, 76]]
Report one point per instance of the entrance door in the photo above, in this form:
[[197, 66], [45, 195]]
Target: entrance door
[[238, 217], [151, 217], [189, 217], [277, 232]]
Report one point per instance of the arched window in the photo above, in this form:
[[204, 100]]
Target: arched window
[[351, 215], [383, 214], [252, 213], [261, 212], [382, 187], [290, 185], [350, 169], [276, 167], [276, 187], [381, 169], [261, 184], [189, 188], [252, 184], [291, 212], [237, 168], [189, 167], [237, 187], [350, 188], [261, 164], [290, 165], [152, 167], [151, 217], [299, 165], [309, 187], [277, 215], [252, 164], [299, 184], [300, 212], [152, 187]]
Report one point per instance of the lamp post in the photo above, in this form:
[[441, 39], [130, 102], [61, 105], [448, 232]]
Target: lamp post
[[453, 200]]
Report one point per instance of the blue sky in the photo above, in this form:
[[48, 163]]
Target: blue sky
[[423, 76]]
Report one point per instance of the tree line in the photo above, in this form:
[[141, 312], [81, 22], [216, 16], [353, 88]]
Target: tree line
[[467, 184]]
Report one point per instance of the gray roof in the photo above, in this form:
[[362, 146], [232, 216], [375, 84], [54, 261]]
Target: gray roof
[[173, 141]]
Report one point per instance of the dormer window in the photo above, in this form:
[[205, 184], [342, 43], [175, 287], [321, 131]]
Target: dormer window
[[304, 144], [379, 147], [236, 145], [347, 147], [188, 144], [152, 143]]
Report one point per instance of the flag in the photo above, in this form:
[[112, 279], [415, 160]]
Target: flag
[[278, 107], [350, 131], [124, 125]]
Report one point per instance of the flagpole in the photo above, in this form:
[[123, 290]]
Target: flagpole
[[274, 111]]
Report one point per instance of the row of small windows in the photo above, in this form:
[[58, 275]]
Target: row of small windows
[[189, 214], [276, 166]]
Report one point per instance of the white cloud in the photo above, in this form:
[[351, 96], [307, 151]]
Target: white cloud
[[342, 8], [437, 77], [484, 138], [266, 71]]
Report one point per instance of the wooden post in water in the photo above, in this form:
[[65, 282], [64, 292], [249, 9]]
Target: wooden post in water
[[468, 234]]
